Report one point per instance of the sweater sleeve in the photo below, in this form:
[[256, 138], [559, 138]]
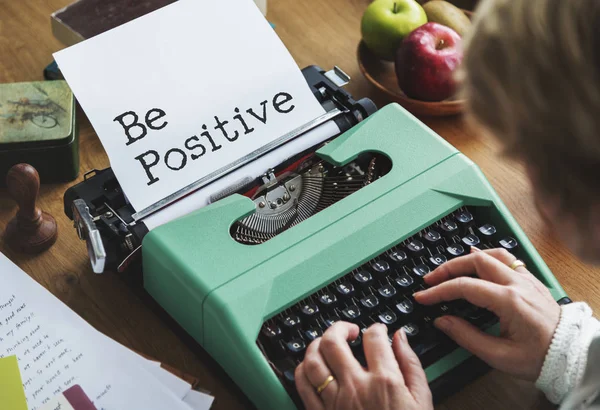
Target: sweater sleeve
[[566, 358]]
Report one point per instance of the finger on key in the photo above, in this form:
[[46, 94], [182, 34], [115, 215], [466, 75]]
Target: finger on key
[[337, 353], [378, 351], [479, 263], [479, 292]]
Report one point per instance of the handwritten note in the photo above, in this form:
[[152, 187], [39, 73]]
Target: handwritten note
[[12, 395], [185, 90], [57, 349]]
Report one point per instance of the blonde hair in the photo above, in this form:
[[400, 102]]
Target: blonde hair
[[531, 76]]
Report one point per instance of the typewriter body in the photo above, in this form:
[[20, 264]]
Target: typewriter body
[[343, 233]]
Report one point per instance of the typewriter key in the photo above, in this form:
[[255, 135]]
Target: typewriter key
[[508, 243], [411, 329], [398, 256], [432, 236], [310, 309], [312, 333], [387, 317], [404, 280], [421, 270], [405, 307], [327, 298], [387, 291], [370, 301], [380, 266], [438, 259], [362, 276], [455, 250], [351, 313], [471, 240], [464, 217], [296, 346], [449, 228]]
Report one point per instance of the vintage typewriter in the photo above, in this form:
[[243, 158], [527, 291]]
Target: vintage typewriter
[[344, 231]]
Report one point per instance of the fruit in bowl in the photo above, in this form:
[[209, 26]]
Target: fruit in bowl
[[447, 14], [426, 61], [386, 23]]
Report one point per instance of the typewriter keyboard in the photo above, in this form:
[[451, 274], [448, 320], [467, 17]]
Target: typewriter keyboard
[[381, 291]]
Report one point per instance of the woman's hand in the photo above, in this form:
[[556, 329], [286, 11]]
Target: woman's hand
[[528, 313], [394, 380]]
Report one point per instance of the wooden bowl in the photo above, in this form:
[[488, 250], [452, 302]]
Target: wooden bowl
[[382, 75]]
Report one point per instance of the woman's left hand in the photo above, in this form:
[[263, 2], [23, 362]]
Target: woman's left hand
[[394, 380]]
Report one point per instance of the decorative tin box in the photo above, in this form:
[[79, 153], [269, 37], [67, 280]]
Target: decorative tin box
[[38, 126]]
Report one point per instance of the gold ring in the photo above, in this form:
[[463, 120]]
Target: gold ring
[[518, 264], [325, 384]]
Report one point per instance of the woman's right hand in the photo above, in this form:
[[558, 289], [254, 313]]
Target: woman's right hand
[[528, 314]]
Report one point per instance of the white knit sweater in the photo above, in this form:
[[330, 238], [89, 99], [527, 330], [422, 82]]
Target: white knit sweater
[[571, 371]]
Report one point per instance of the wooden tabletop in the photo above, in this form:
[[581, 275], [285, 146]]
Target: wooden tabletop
[[319, 32]]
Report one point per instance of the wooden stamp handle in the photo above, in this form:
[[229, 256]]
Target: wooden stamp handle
[[23, 184]]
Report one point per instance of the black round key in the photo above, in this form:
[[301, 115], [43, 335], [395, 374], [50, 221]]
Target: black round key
[[471, 240], [432, 236], [508, 243], [356, 342], [380, 266], [464, 217], [327, 298], [289, 375], [405, 307], [487, 230], [411, 329], [362, 276], [421, 270], [449, 227], [370, 301], [330, 320], [291, 321], [404, 280], [344, 288], [398, 256], [351, 312], [312, 333], [387, 291], [387, 317], [438, 259], [296, 346], [272, 331], [309, 309], [415, 246], [456, 249]]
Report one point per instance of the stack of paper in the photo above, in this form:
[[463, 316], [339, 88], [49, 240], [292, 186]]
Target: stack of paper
[[57, 349]]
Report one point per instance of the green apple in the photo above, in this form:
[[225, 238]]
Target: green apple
[[386, 22]]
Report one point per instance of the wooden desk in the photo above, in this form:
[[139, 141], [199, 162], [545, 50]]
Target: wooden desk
[[319, 32]]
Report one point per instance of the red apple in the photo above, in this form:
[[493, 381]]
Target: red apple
[[426, 60]]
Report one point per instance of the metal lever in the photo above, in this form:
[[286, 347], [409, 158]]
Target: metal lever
[[338, 76], [87, 231]]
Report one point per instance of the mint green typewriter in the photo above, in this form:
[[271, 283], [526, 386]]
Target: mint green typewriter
[[254, 281]]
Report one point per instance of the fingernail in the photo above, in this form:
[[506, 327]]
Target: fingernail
[[403, 335], [443, 323], [475, 249], [417, 294]]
